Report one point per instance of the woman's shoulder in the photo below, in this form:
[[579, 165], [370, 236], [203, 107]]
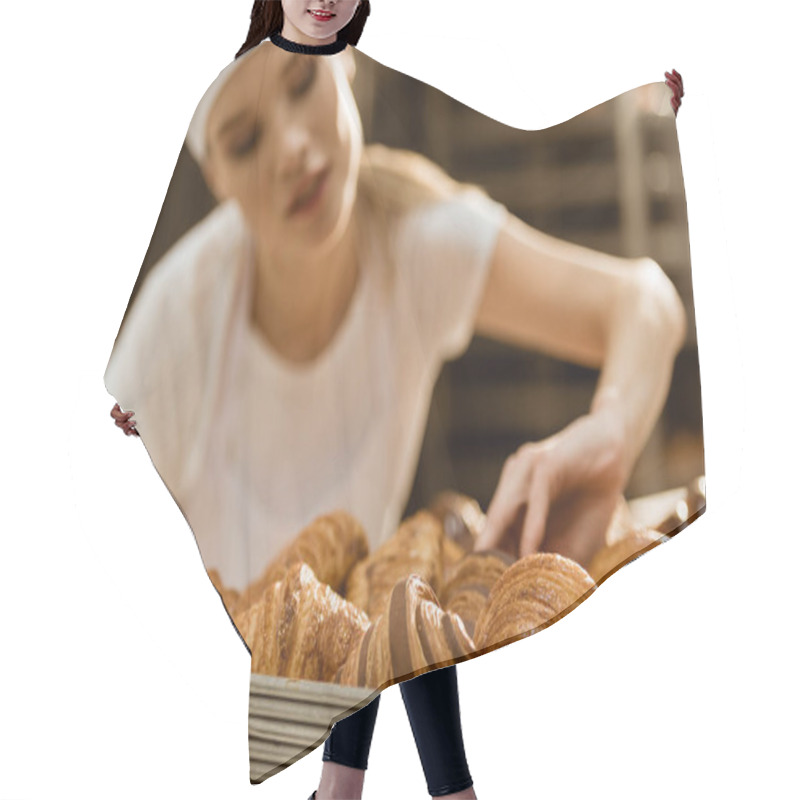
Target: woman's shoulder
[[201, 257], [177, 309]]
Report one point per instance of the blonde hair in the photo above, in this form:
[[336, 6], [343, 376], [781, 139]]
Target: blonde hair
[[398, 180], [393, 181]]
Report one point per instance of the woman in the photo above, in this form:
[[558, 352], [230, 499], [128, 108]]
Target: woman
[[305, 222]]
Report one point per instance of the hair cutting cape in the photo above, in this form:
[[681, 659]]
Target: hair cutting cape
[[335, 489]]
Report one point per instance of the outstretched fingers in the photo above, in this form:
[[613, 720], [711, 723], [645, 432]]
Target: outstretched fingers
[[517, 516], [536, 516]]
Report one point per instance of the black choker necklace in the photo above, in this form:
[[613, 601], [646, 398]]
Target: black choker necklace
[[310, 49]]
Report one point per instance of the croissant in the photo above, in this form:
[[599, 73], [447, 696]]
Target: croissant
[[300, 627], [612, 556], [415, 547], [330, 545], [461, 517], [467, 590], [452, 556], [230, 597], [412, 635], [531, 594]]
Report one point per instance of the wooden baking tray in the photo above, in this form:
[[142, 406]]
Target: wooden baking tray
[[290, 717]]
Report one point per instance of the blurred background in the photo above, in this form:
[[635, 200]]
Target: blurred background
[[609, 179]]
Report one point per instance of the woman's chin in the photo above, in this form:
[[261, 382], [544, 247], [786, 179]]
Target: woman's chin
[[321, 233], [318, 33]]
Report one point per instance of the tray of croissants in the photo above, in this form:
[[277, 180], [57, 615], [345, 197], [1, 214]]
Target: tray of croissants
[[329, 624]]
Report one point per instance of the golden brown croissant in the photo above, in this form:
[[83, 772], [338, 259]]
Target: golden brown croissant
[[300, 627], [411, 636], [230, 597], [461, 517], [452, 556], [608, 559], [416, 547], [330, 545], [468, 589], [531, 594]]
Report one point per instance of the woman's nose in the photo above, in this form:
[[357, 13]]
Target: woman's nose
[[294, 150]]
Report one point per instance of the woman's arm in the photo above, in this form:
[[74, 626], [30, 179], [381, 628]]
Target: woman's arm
[[618, 314], [621, 315]]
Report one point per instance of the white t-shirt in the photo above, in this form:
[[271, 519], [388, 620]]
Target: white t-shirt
[[253, 447]]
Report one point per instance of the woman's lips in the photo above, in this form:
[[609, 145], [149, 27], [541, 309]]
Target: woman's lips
[[307, 199], [322, 16]]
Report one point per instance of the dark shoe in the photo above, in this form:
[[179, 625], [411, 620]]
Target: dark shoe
[[313, 795]]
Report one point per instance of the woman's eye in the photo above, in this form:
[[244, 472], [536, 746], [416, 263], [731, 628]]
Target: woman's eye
[[301, 87], [242, 147]]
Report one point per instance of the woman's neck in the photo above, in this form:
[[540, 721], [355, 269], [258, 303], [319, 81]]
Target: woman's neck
[[299, 303]]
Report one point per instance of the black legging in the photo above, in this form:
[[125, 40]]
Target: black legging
[[432, 706]]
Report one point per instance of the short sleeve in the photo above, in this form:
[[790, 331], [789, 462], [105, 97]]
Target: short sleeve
[[445, 252]]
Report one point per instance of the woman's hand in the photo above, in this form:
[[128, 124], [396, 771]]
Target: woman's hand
[[675, 82], [124, 420], [558, 495]]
